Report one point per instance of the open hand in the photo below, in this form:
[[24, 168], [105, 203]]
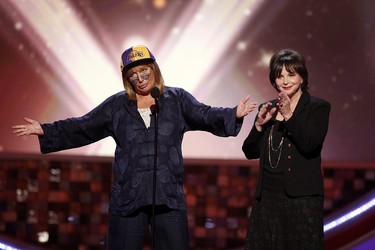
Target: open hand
[[284, 105], [31, 128], [264, 115], [244, 108]]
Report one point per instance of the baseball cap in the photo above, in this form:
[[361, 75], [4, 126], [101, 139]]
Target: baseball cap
[[134, 55]]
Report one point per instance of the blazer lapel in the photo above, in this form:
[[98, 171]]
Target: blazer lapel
[[302, 102]]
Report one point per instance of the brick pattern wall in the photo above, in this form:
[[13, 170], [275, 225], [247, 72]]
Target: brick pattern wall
[[62, 202]]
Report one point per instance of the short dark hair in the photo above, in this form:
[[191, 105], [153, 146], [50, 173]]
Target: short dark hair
[[293, 61]]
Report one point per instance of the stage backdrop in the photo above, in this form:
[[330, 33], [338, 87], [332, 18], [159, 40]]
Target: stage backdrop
[[60, 59]]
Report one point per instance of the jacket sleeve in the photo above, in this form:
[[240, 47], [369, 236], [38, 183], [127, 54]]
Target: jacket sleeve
[[216, 120], [251, 145], [79, 131]]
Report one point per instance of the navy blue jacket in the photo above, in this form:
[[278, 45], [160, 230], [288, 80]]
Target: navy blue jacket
[[301, 153], [119, 118]]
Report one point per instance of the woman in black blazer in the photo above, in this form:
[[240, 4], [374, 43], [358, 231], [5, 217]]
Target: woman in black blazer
[[287, 137]]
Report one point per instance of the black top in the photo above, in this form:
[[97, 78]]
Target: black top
[[273, 178]]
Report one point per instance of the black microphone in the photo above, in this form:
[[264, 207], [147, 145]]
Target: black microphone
[[155, 93]]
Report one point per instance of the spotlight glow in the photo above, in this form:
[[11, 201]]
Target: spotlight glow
[[203, 40]]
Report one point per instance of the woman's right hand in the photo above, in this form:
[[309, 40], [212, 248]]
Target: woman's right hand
[[264, 115], [31, 128]]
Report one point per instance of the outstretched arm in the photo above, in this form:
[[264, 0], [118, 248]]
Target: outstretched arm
[[32, 127]]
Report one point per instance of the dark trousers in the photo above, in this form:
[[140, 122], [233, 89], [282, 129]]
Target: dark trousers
[[128, 232]]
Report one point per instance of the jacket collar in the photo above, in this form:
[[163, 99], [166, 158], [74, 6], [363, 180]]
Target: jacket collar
[[302, 102]]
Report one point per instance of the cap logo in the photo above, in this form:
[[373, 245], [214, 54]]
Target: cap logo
[[135, 55]]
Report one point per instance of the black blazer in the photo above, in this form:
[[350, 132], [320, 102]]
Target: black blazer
[[301, 154]]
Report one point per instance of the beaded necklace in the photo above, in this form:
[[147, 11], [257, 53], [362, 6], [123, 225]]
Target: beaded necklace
[[278, 149]]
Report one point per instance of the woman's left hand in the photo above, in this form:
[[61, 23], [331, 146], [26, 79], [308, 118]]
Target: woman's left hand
[[284, 106], [244, 108]]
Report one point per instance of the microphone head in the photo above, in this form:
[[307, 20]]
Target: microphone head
[[155, 92]]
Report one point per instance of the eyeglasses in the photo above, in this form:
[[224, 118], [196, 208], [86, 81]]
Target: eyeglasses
[[143, 73]]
